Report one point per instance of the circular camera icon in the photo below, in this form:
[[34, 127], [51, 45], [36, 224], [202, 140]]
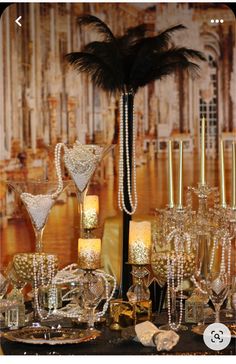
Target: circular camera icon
[[217, 336]]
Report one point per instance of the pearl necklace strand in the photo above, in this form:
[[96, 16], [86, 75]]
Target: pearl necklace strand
[[39, 276], [171, 285], [69, 276], [124, 124]]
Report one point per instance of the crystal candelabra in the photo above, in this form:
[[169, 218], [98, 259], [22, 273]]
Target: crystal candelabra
[[201, 230]]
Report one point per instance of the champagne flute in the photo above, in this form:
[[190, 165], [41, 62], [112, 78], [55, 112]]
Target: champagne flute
[[217, 286], [93, 292]]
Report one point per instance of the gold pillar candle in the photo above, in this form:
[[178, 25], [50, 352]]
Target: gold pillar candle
[[202, 177], [89, 253], [170, 175], [222, 175], [90, 212], [180, 191], [233, 203], [139, 242]]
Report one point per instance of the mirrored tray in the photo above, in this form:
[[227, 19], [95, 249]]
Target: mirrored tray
[[199, 329], [39, 336]]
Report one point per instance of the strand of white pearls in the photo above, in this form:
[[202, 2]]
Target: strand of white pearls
[[68, 278], [57, 161], [108, 297], [38, 272], [171, 283], [133, 200], [213, 252], [193, 279]]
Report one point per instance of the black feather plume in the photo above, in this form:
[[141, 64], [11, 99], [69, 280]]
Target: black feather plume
[[134, 59]]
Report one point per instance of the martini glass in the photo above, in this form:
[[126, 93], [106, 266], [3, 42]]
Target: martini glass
[[38, 198], [81, 161]]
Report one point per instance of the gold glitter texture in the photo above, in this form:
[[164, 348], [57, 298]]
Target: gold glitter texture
[[90, 212], [139, 242], [159, 263], [23, 264], [89, 251]]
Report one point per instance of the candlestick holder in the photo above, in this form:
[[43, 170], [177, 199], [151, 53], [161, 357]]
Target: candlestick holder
[[139, 290], [94, 286]]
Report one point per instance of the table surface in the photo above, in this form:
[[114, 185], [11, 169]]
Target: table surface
[[111, 343]]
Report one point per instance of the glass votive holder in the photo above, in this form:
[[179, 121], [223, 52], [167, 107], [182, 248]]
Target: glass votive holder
[[15, 315], [50, 297]]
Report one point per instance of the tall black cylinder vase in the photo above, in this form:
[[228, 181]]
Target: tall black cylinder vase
[[128, 102]]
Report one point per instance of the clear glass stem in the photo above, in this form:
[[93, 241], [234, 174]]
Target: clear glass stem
[[217, 313], [81, 197], [39, 240], [173, 306], [81, 225], [91, 317]]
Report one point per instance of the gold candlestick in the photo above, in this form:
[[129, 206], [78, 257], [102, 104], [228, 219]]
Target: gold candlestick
[[170, 175], [180, 191], [222, 175], [233, 203], [202, 177], [89, 253]]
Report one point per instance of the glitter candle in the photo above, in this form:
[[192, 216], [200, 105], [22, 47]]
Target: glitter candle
[[139, 242], [203, 180], [170, 175], [89, 251], [90, 212], [222, 175]]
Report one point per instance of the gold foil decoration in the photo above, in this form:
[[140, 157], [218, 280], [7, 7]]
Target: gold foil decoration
[[90, 212], [124, 313], [89, 253], [139, 242]]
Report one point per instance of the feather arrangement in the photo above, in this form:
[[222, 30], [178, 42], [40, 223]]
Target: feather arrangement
[[122, 65], [126, 63]]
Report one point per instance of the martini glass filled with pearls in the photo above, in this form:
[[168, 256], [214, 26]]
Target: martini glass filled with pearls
[[39, 268], [38, 197], [81, 161]]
